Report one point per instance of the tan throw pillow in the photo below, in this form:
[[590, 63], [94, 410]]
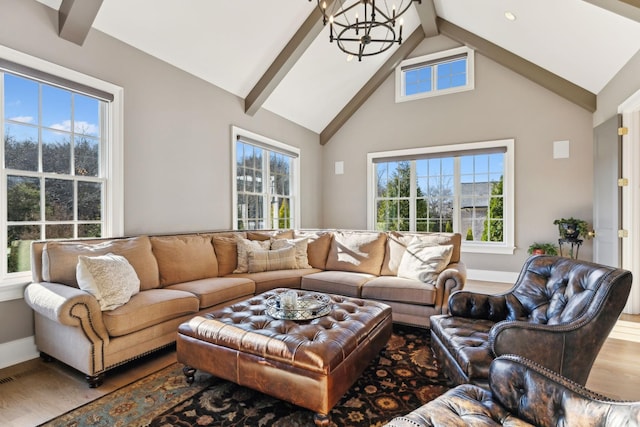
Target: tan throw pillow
[[266, 260], [243, 246], [397, 242], [110, 278], [59, 259], [423, 261], [300, 245], [266, 235], [184, 258], [318, 247], [360, 252]]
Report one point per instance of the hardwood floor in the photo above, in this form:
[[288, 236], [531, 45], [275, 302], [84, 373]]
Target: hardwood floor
[[34, 391]]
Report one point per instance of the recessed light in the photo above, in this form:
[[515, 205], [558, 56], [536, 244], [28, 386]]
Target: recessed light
[[510, 16]]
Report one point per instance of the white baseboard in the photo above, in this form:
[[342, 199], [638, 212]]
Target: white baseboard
[[492, 276], [17, 351]]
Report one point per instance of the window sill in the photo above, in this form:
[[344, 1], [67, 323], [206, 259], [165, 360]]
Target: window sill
[[479, 248], [13, 289]]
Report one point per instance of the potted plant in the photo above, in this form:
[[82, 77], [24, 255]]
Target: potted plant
[[542, 248], [572, 228]]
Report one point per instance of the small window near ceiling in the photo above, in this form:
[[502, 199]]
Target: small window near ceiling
[[440, 73]]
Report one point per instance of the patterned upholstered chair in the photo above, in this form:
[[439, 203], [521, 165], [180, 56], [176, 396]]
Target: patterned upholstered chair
[[522, 393], [558, 314]]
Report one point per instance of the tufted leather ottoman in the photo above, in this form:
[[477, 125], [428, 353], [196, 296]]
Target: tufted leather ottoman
[[308, 363]]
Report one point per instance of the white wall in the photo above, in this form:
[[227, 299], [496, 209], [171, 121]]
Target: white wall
[[177, 128], [177, 136], [503, 105]]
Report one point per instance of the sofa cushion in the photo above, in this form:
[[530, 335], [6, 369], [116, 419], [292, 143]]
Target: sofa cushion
[[226, 249], [359, 252], [110, 278], [59, 259], [268, 235], [391, 288], [318, 247], [423, 261], [149, 308], [269, 260], [397, 244], [267, 280], [336, 282], [243, 246], [467, 340], [300, 245], [217, 290], [184, 258]]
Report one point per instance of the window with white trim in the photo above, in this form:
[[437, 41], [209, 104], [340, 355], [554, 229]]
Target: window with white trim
[[463, 188], [266, 182], [60, 159], [436, 74]]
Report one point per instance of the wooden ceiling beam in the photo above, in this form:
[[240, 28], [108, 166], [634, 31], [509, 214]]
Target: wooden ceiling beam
[[285, 60], [627, 8], [374, 82], [528, 69], [75, 18], [427, 13]]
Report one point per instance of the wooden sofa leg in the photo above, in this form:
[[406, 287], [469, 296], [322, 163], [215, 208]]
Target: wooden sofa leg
[[95, 381], [321, 420], [189, 374]]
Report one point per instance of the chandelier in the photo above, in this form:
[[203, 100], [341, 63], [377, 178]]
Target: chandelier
[[364, 27]]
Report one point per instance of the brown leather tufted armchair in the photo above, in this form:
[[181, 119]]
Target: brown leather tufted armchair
[[523, 393], [558, 314]]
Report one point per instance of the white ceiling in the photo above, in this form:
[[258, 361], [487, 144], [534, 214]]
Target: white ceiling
[[232, 43]]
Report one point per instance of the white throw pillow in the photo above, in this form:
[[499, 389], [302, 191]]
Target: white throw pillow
[[302, 260], [110, 278], [244, 245], [423, 261]]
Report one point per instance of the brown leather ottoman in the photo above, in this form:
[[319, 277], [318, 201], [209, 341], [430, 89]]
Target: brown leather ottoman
[[308, 363]]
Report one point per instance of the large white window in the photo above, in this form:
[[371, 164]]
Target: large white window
[[464, 188], [436, 74], [266, 183], [60, 158]]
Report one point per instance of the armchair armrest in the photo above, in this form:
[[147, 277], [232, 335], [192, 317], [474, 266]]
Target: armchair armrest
[[449, 280], [527, 339], [543, 397], [478, 306], [68, 306]]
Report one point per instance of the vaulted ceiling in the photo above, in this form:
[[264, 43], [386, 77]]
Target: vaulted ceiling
[[277, 56]]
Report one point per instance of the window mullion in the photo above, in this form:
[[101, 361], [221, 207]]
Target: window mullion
[[457, 194], [412, 195], [266, 189]]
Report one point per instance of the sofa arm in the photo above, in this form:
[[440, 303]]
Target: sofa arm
[[543, 397], [449, 280], [478, 306], [68, 306]]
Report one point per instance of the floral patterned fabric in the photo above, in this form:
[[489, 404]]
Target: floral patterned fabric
[[403, 378]]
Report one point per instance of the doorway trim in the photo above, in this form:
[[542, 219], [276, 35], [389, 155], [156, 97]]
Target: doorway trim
[[630, 110]]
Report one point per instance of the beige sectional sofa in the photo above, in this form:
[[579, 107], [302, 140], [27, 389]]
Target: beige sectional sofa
[[182, 275]]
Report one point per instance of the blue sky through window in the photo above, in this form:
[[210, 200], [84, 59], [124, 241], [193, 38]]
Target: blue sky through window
[[60, 108], [435, 76]]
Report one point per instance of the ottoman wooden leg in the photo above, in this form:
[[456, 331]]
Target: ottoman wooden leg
[[189, 373], [321, 420]]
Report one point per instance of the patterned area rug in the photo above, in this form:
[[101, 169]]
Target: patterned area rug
[[402, 378]]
